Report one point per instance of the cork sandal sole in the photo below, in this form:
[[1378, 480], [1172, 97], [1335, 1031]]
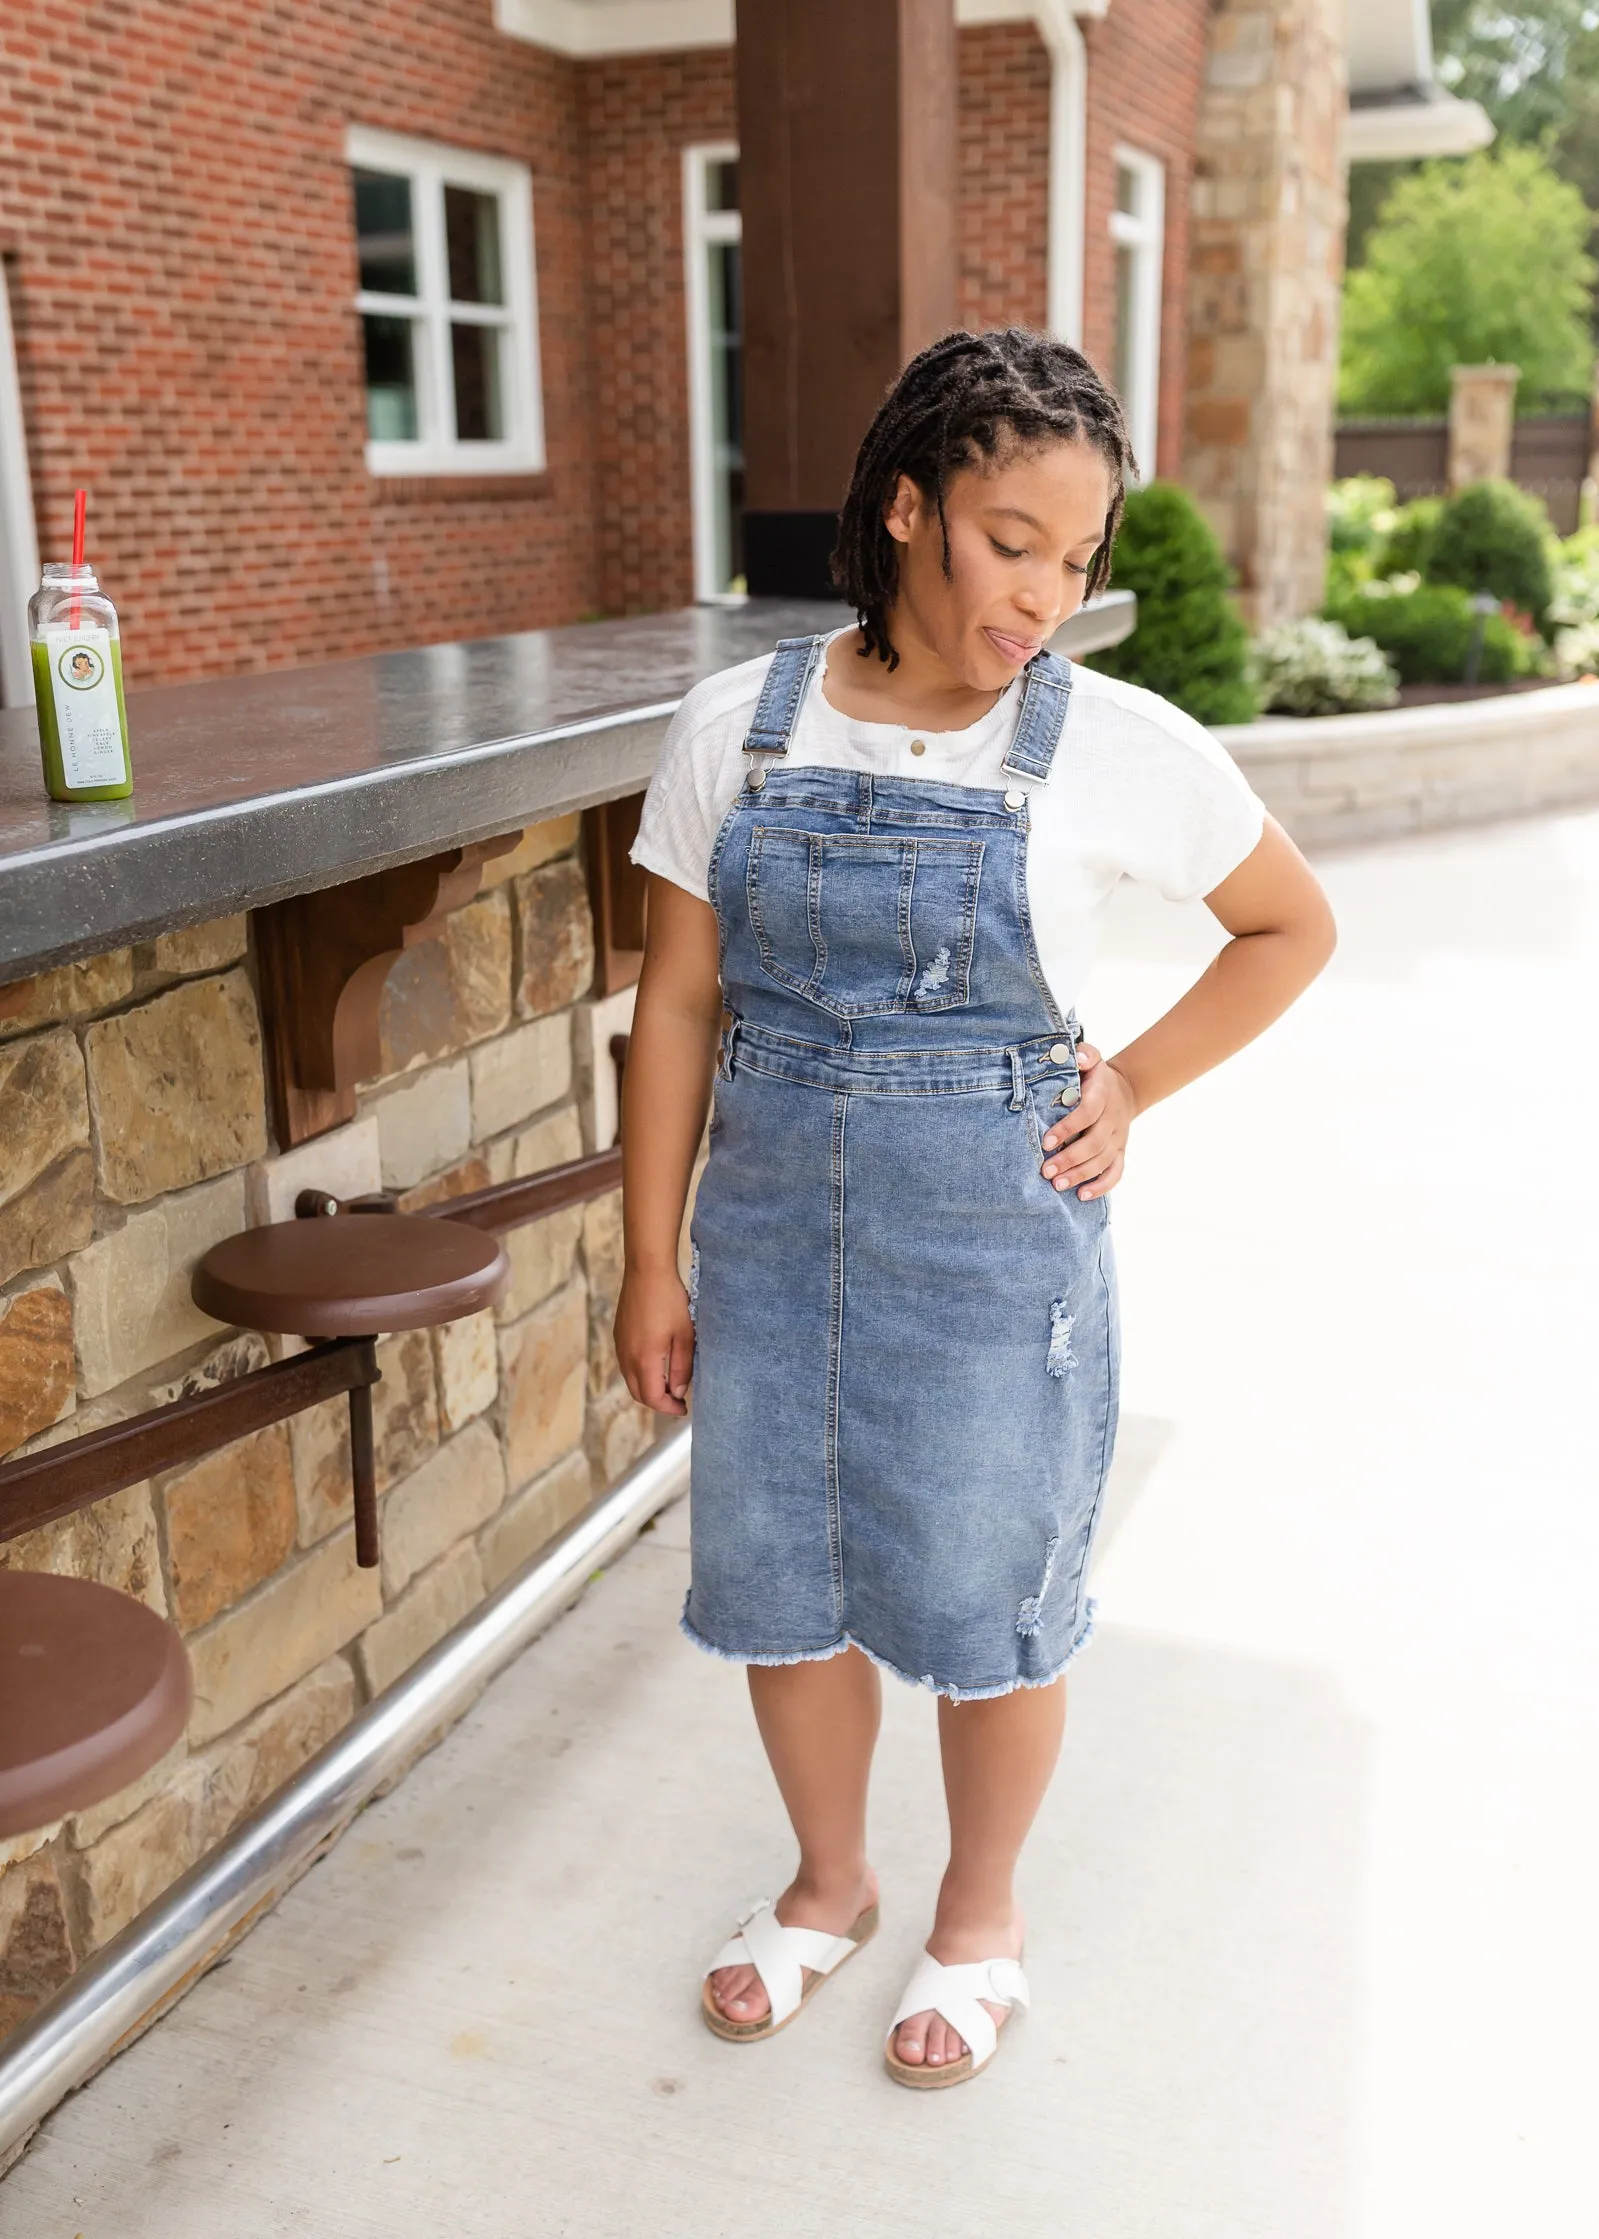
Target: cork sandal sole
[[861, 1931], [923, 2078]]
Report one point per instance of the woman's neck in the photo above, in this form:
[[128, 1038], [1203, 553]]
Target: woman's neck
[[923, 692]]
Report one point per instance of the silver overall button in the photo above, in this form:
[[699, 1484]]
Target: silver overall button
[[755, 780], [1059, 1052], [1015, 798]]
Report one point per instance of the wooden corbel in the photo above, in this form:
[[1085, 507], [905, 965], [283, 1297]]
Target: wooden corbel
[[323, 959]]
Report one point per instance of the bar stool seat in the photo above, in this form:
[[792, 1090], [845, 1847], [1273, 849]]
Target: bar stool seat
[[94, 1688], [350, 1276]]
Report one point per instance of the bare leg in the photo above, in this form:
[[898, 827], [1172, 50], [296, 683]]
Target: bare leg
[[998, 1758], [819, 1724]]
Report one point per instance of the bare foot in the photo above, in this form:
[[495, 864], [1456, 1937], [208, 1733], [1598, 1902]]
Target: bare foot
[[927, 2038], [739, 1992]]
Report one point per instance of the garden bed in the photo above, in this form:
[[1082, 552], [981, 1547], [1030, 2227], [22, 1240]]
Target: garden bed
[[1336, 778]]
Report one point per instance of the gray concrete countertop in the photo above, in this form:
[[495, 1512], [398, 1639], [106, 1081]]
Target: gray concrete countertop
[[255, 787]]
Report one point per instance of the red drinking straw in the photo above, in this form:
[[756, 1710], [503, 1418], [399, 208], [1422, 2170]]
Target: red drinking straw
[[80, 506]]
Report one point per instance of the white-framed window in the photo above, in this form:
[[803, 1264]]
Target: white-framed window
[[448, 303], [712, 233], [1138, 229]]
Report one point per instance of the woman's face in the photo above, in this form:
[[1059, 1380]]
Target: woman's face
[[1021, 537]]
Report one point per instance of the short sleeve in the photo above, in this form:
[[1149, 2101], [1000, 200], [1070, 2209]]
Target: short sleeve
[[687, 796], [1198, 817]]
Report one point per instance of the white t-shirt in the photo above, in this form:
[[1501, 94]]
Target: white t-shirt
[[1136, 790]]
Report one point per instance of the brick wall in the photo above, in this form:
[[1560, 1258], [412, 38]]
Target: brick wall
[[1004, 177], [133, 1134], [640, 113], [178, 234]]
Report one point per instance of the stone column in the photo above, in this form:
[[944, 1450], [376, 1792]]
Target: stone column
[[1482, 419], [847, 163], [1268, 215]]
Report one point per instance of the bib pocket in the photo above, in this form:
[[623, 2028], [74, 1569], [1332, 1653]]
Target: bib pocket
[[861, 925]]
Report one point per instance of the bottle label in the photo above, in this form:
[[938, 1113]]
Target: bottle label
[[88, 720]]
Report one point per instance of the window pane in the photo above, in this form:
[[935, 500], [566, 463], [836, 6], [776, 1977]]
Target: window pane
[[383, 233], [1128, 199], [727, 408], [478, 414], [1126, 283], [721, 186], [472, 237], [390, 378]]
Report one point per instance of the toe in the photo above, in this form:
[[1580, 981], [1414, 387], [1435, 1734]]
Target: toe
[[910, 2043], [739, 1993]]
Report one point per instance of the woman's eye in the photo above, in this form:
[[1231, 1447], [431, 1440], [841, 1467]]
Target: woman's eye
[[1076, 570], [1005, 551]]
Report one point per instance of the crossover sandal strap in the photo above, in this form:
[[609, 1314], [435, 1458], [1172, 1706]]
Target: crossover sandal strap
[[779, 1954], [954, 1993]]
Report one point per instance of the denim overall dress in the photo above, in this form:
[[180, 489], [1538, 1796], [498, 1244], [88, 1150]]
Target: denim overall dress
[[906, 1339]]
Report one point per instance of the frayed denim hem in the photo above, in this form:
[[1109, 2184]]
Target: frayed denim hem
[[948, 1689]]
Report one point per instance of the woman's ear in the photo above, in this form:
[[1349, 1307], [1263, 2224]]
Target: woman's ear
[[902, 510]]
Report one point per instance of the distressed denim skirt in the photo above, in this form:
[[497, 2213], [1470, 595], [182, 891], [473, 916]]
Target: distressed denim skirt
[[906, 1342]]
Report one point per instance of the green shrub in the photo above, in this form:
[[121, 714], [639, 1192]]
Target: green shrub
[[1494, 537], [1189, 645], [1427, 633], [1407, 547], [1359, 511], [1312, 667]]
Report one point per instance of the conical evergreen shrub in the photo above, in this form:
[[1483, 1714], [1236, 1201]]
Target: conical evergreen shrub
[[1190, 645]]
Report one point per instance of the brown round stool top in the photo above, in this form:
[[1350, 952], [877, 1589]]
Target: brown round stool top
[[94, 1688], [350, 1275]]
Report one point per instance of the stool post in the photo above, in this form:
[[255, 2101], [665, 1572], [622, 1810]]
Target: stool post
[[363, 1465]]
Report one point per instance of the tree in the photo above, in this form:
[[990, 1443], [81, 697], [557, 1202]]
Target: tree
[[1535, 70], [1472, 261]]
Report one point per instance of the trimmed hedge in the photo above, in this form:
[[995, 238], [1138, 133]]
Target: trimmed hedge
[[1190, 645], [1427, 633], [1494, 537]]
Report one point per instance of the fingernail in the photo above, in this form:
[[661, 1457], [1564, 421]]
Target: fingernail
[[1049, 1172], [1060, 1181]]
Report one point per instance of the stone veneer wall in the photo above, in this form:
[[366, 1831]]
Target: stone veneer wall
[[1266, 262], [133, 1134]]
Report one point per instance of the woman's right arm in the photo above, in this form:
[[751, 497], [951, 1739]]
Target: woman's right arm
[[666, 1092]]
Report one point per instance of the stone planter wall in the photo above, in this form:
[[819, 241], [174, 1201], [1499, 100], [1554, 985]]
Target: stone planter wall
[[133, 1134], [1363, 777]]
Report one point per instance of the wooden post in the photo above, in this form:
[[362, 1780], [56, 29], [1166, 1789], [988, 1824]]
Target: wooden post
[[847, 182]]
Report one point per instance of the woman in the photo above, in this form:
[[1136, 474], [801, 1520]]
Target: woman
[[878, 860]]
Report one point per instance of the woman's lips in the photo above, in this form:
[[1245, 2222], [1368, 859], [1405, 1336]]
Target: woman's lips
[[1016, 649]]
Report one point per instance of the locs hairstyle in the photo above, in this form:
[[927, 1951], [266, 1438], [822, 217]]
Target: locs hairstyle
[[966, 400]]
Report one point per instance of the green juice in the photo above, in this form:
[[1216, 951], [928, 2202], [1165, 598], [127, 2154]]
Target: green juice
[[112, 767]]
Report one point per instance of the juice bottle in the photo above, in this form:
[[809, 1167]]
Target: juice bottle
[[77, 687]]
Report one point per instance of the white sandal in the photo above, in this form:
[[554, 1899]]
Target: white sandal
[[792, 1963], [953, 1993]]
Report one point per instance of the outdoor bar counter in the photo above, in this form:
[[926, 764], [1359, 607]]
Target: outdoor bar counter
[[257, 787]]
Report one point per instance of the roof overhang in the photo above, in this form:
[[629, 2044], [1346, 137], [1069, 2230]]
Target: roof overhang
[[1396, 108]]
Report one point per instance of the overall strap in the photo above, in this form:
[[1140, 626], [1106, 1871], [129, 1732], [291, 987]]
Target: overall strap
[[1043, 716], [793, 665]]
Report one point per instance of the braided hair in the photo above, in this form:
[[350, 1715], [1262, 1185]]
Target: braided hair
[[967, 399]]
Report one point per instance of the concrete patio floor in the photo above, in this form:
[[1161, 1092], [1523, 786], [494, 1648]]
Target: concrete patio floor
[[1312, 1932]]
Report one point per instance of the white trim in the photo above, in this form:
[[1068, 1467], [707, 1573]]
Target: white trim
[[19, 540], [1144, 232], [430, 168], [702, 227], [1441, 125], [586, 28]]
